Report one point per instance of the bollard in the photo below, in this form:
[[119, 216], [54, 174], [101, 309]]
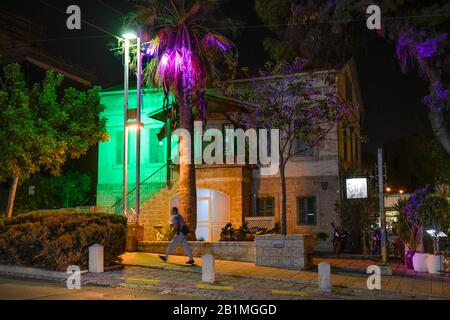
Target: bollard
[[324, 277], [96, 258], [208, 268]]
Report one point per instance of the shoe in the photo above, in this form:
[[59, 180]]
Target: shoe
[[163, 258], [190, 262]]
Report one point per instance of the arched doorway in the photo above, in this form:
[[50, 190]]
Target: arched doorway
[[213, 213]]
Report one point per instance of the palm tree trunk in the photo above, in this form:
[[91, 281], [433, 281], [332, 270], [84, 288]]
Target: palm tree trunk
[[11, 197], [188, 191]]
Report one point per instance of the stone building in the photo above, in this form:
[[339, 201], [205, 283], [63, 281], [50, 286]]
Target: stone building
[[232, 193]]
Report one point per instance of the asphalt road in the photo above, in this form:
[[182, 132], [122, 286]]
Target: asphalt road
[[30, 289]]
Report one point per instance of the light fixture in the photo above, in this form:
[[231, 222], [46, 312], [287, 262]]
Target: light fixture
[[401, 191], [436, 234], [388, 189], [134, 125], [129, 35]]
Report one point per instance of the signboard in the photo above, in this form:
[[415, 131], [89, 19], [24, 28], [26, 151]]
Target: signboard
[[278, 243], [356, 188]]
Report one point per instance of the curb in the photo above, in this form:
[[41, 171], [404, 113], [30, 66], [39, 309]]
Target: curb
[[35, 273], [88, 278], [42, 274]]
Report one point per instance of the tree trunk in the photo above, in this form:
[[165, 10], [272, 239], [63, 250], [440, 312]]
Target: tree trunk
[[283, 201], [436, 117], [188, 191], [11, 197]]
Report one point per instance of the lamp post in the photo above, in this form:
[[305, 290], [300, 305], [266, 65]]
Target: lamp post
[[138, 120], [126, 70]]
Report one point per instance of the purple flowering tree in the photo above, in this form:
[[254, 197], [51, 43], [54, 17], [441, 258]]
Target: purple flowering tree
[[414, 218], [283, 98], [430, 53], [314, 29], [182, 54]]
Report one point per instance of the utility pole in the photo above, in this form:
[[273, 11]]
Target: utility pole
[[385, 269], [126, 65]]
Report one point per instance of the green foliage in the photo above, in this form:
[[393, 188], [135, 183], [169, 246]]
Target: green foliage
[[323, 236], [67, 190], [165, 232], [55, 240], [358, 216], [43, 128], [435, 214], [402, 228]]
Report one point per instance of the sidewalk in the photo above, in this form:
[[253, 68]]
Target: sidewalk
[[429, 285]]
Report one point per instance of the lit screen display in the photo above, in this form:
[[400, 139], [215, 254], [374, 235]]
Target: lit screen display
[[356, 188]]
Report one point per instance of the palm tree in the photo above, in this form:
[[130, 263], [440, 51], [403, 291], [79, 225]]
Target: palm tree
[[183, 51]]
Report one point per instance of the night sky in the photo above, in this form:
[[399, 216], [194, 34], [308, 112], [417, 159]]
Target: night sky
[[391, 98]]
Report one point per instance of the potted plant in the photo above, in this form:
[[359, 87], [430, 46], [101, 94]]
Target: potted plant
[[435, 212], [405, 232], [413, 215]]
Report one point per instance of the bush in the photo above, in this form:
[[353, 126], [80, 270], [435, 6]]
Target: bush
[[56, 240]]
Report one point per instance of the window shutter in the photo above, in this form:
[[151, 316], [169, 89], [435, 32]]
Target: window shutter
[[156, 147]]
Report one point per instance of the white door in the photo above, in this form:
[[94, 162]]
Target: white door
[[203, 231]]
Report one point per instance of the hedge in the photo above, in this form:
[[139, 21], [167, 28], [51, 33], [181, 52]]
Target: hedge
[[55, 240]]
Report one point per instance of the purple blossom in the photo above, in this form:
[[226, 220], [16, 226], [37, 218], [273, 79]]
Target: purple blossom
[[417, 44], [439, 98], [412, 207]]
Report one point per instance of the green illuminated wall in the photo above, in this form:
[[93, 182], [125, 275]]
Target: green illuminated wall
[[110, 159]]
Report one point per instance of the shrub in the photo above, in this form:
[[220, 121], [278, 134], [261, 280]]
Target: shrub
[[55, 240]]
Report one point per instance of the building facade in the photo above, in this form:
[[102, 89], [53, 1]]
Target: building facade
[[231, 192]]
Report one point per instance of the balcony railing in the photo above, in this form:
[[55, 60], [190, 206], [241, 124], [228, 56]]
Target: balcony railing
[[260, 222]]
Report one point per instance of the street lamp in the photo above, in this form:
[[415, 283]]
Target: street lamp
[[127, 37]]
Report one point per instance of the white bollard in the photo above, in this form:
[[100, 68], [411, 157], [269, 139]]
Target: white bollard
[[324, 277], [208, 268], [96, 258]]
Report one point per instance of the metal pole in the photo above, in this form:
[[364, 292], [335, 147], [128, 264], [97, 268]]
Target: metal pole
[[138, 119], [382, 212], [125, 119]]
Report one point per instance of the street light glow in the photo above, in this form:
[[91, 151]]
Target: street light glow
[[129, 35]]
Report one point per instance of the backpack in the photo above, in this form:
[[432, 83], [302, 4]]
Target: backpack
[[184, 229]]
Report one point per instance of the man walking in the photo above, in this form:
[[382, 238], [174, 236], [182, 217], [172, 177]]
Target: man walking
[[181, 231]]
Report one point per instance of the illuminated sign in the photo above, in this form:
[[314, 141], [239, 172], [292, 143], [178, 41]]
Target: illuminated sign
[[356, 188]]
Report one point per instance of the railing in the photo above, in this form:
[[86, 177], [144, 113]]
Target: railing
[[260, 222], [149, 187]]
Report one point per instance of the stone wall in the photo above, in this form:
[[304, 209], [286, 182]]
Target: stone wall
[[222, 250], [305, 187], [288, 252]]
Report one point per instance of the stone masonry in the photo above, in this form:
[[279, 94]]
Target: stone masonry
[[231, 180], [288, 252]]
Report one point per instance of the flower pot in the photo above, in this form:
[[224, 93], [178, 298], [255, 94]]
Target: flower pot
[[435, 263], [420, 262], [409, 260]]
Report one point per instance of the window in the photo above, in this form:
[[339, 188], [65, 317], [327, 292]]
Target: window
[[155, 146], [265, 207], [306, 210], [119, 148], [297, 145]]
